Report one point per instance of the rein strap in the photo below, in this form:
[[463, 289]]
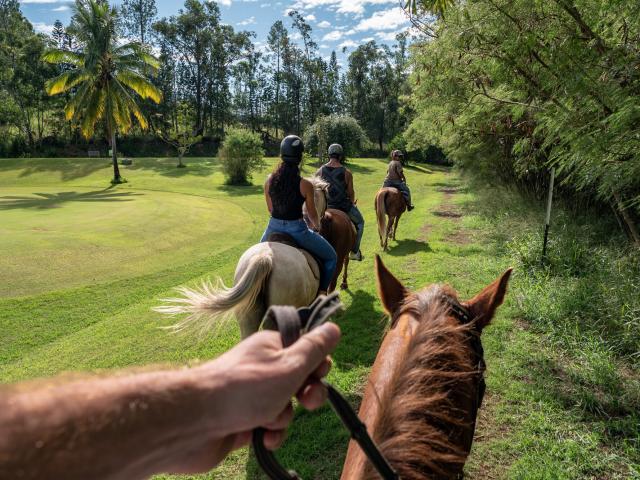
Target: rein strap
[[292, 323]]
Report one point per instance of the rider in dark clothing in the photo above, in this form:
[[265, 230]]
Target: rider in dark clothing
[[341, 193], [395, 177]]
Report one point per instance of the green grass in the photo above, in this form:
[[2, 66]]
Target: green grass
[[87, 264]]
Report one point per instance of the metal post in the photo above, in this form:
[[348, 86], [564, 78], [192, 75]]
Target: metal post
[[547, 221]]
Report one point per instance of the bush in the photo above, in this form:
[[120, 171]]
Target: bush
[[241, 154], [341, 129]]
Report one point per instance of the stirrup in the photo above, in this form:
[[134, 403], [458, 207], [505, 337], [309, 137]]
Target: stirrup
[[358, 257]]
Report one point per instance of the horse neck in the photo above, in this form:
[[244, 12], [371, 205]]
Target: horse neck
[[421, 375], [392, 351]]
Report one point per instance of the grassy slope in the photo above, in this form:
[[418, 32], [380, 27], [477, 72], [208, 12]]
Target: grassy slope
[[531, 426]]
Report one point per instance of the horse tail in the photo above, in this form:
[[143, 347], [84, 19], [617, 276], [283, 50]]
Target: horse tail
[[211, 303], [381, 212]]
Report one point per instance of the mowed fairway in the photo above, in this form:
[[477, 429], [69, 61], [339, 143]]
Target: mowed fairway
[[81, 266]]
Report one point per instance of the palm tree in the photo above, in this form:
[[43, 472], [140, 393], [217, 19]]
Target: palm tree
[[105, 75]]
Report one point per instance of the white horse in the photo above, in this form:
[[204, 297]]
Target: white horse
[[268, 273]]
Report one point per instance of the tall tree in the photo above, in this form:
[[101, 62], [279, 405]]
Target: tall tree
[[106, 73], [138, 17]]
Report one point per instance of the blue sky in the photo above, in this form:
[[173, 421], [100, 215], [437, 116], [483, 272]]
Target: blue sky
[[336, 23]]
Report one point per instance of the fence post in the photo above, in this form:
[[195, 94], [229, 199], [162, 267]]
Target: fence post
[[547, 221]]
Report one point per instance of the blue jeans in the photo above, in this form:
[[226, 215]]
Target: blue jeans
[[310, 241], [356, 218], [402, 186]]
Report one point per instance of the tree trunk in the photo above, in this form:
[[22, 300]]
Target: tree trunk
[[114, 158], [633, 230]]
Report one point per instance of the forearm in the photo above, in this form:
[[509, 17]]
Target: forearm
[[101, 428]]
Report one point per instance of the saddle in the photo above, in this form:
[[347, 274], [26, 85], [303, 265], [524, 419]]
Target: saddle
[[286, 239]]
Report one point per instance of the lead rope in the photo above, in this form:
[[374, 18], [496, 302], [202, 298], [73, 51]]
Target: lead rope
[[291, 324]]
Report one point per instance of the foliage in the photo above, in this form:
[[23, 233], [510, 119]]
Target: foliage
[[137, 18], [241, 154], [341, 129], [513, 88], [104, 75]]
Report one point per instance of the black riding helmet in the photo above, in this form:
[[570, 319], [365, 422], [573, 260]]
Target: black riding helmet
[[291, 149]]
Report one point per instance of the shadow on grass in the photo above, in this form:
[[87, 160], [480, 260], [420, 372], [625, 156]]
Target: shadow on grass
[[406, 247], [43, 201], [361, 169], [167, 167], [362, 325], [67, 168], [241, 190]]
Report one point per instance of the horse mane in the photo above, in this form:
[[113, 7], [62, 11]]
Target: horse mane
[[318, 183], [418, 416]]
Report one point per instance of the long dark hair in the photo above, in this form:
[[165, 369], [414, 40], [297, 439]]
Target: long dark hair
[[285, 182]]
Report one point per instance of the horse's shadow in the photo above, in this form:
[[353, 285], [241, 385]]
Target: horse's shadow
[[408, 247]]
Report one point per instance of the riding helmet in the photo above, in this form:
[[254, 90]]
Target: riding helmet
[[335, 150], [291, 149]]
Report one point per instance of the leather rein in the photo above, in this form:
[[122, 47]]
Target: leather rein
[[293, 323]]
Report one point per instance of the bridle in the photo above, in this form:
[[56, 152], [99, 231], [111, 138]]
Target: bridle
[[463, 315], [292, 323]]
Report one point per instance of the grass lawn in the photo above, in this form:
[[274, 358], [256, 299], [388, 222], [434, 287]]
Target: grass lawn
[[82, 265]]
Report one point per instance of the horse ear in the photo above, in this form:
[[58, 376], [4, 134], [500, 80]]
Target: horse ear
[[484, 305], [390, 290]]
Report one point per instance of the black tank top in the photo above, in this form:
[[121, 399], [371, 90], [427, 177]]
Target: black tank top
[[286, 208], [338, 197]]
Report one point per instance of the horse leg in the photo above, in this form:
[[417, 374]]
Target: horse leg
[[250, 319], [345, 285], [395, 227], [388, 232]]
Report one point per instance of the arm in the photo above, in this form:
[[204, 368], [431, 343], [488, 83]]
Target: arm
[[176, 421], [306, 189], [350, 191], [267, 197], [400, 172]]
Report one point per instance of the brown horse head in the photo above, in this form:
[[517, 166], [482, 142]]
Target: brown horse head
[[427, 383]]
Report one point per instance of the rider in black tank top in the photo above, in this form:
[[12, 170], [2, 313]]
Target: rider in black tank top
[[287, 205]]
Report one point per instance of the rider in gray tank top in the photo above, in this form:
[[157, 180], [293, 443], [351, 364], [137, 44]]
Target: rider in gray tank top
[[341, 191]]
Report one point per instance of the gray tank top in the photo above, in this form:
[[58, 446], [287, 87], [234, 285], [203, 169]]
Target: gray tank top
[[336, 178]]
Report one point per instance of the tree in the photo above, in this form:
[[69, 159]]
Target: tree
[[104, 76], [138, 17], [241, 154], [341, 129]]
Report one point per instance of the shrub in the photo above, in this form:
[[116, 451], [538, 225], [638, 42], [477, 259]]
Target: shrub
[[241, 154], [341, 129]]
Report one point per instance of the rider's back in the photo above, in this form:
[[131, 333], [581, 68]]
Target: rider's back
[[336, 177]]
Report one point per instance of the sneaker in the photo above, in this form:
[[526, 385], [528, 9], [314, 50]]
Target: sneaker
[[358, 257]]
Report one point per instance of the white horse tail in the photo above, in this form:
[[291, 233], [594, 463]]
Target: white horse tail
[[210, 304], [381, 212]]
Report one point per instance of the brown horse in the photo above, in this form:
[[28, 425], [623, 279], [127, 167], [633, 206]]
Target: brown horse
[[389, 203], [426, 385], [338, 229]]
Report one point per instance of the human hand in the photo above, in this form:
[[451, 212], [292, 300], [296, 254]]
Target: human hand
[[252, 386]]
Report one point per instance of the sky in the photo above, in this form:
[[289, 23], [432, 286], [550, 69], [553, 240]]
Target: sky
[[336, 23]]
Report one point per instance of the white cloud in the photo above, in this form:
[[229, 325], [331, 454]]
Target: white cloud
[[348, 44], [310, 18], [324, 24], [295, 36], [386, 36], [368, 39], [341, 6], [392, 19], [226, 3], [41, 27], [248, 21], [324, 45], [61, 8], [332, 36], [41, 1]]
